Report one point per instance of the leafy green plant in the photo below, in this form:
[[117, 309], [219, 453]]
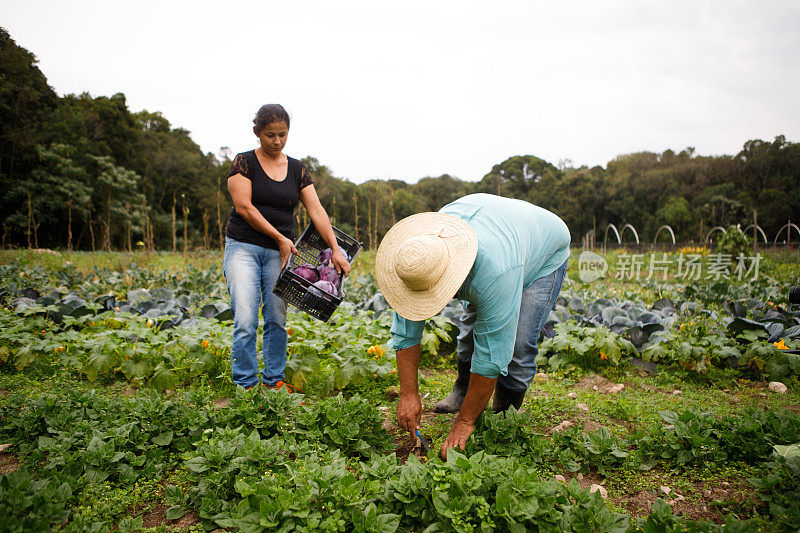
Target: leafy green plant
[[774, 361], [695, 346], [780, 487], [734, 243], [27, 504], [584, 346]]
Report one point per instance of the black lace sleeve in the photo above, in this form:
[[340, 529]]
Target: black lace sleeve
[[305, 178], [239, 166]]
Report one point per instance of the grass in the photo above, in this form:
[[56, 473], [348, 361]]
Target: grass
[[85, 262]]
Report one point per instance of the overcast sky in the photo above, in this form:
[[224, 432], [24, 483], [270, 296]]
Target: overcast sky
[[413, 89]]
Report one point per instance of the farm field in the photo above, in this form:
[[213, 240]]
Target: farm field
[[666, 400]]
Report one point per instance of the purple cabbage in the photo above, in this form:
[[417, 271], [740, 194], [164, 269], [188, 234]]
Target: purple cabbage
[[307, 272], [325, 286], [329, 274], [325, 256]]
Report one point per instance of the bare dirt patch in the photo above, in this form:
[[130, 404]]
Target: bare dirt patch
[[157, 516], [597, 383], [221, 404], [403, 444], [585, 481], [9, 462], [703, 502]]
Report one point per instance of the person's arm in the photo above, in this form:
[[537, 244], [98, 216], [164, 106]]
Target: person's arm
[[241, 190], [308, 195], [409, 410], [479, 391], [494, 335], [406, 337]]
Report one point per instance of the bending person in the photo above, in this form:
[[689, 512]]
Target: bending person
[[506, 258]]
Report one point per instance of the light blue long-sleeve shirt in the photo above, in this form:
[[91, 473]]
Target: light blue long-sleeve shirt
[[518, 243]]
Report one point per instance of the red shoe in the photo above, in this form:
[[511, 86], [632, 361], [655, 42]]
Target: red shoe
[[289, 388]]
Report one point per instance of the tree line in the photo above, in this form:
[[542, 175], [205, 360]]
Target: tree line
[[85, 172]]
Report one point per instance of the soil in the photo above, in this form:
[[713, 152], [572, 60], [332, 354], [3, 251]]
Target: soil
[[596, 383], [697, 504], [403, 445], [9, 462], [221, 404], [157, 517]]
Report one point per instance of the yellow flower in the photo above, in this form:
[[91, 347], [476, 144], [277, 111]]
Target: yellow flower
[[781, 345], [371, 350], [204, 343]]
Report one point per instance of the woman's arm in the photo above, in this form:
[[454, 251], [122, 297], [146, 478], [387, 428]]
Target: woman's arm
[[241, 190], [308, 195]]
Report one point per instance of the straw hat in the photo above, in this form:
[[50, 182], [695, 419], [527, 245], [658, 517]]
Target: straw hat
[[422, 261]]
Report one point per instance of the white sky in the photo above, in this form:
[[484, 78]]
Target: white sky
[[413, 89]]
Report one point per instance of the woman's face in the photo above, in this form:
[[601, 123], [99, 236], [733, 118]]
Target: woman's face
[[273, 137]]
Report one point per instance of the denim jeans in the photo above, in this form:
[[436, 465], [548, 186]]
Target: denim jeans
[[537, 302], [251, 272]]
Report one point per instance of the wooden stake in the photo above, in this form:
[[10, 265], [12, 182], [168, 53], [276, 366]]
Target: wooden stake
[[355, 204], [69, 225], [205, 229], [219, 213], [30, 219], [174, 235], [185, 226]]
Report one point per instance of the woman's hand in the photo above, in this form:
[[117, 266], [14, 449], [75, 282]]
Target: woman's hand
[[340, 262], [286, 248], [459, 434], [409, 412]]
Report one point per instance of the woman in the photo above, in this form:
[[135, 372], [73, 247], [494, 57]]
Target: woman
[[265, 186]]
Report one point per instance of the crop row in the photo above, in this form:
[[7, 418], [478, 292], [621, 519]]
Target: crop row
[[276, 461]]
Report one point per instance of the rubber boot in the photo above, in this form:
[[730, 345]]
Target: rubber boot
[[452, 404], [505, 398]]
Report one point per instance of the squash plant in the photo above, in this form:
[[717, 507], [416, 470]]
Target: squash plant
[[584, 346]]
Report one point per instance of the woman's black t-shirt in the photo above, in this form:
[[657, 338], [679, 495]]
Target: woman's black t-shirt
[[275, 200]]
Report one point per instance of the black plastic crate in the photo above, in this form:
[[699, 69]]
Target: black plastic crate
[[298, 291]]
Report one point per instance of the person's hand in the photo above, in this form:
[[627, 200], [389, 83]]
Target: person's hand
[[340, 262], [459, 434], [286, 248], [409, 412]]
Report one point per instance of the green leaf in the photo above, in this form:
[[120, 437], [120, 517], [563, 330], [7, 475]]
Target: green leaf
[[175, 512], [164, 379], [173, 493], [163, 439], [197, 464], [788, 452], [130, 524]]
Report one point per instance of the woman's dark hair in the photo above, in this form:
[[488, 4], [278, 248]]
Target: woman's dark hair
[[268, 114]]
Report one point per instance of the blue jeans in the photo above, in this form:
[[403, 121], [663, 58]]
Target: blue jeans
[[251, 272], [537, 302]]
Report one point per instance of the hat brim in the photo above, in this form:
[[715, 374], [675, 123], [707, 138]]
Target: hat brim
[[462, 247]]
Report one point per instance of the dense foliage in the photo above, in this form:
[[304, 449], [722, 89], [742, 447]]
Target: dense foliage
[[152, 348]]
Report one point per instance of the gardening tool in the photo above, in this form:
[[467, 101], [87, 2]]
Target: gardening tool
[[423, 443]]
